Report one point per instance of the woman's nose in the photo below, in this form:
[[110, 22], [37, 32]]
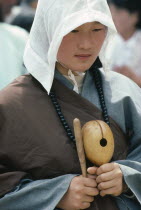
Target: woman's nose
[[85, 42]]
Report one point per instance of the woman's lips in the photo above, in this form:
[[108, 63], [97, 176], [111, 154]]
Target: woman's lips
[[83, 56]]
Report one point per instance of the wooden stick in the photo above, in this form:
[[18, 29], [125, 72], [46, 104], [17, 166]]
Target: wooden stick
[[79, 145]]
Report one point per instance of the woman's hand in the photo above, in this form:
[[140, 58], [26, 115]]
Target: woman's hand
[[80, 193], [109, 179]]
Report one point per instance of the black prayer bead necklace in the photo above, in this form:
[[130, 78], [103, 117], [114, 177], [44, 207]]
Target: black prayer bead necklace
[[98, 84], [61, 116], [99, 87]]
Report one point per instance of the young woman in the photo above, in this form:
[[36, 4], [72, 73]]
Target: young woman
[[39, 166]]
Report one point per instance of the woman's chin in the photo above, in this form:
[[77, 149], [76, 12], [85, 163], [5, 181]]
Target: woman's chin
[[81, 69]]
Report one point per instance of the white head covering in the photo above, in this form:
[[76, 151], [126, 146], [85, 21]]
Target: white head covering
[[53, 20]]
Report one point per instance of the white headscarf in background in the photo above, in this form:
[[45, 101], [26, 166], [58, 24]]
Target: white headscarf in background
[[53, 20]]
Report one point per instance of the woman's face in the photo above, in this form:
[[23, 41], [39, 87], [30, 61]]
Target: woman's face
[[80, 48], [125, 21]]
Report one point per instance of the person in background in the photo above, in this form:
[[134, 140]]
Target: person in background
[[23, 15], [125, 50], [12, 44]]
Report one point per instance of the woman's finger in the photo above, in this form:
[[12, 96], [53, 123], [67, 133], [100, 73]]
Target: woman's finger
[[92, 170], [90, 182], [85, 205], [107, 185], [91, 176], [88, 198], [112, 191], [91, 191], [105, 168], [109, 175]]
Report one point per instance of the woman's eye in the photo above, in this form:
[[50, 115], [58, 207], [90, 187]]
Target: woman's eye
[[74, 31], [98, 29]]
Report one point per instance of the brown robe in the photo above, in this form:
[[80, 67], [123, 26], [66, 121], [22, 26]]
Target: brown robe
[[33, 142]]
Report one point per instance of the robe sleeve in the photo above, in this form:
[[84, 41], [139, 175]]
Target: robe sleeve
[[131, 167], [40, 194], [9, 179], [9, 176]]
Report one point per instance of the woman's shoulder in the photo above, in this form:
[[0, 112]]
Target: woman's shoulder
[[21, 88], [121, 85]]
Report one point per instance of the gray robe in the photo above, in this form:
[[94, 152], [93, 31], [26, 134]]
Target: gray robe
[[123, 100]]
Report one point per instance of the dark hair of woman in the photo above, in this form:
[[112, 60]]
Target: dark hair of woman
[[1, 14], [131, 6]]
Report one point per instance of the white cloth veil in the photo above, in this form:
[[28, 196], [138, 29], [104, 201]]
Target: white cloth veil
[[53, 20]]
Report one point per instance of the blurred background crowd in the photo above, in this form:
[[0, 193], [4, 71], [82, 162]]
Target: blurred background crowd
[[16, 18], [18, 12]]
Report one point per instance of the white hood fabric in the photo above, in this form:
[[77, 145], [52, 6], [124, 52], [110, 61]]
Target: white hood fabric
[[53, 20]]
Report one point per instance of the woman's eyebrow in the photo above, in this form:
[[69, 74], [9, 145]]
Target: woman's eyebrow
[[97, 23]]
